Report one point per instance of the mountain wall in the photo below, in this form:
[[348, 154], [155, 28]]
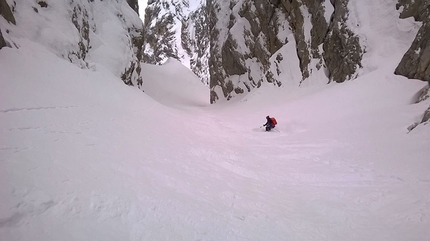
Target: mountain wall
[[6, 13], [250, 48], [177, 29], [89, 33], [233, 46], [415, 64], [245, 43], [237, 45]]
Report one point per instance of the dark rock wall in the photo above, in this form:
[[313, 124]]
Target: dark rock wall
[[159, 41], [219, 58], [415, 64], [7, 14], [305, 50], [196, 42], [134, 4], [175, 29], [132, 74], [2, 41], [84, 22], [342, 50], [423, 95], [227, 59], [332, 45], [81, 21]]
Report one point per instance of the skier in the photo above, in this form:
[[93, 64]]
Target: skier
[[271, 123]]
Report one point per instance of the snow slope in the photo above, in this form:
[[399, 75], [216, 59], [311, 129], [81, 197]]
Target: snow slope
[[165, 81], [85, 157]]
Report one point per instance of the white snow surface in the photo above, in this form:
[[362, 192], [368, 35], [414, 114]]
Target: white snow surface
[[85, 157]]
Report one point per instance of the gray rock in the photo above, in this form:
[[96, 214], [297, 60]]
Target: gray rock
[[159, 40], [164, 39], [131, 75], [238, 43], [342, 50], [2, 41], [306, 50], [196, 42], [80, 20], [259, 42], [6, 12], [423, 95], [415, 64], [426, 117], [134, 5], [83, 21]]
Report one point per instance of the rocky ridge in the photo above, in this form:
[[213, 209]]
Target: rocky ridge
[[415, 64], [177, 29], [75, 30], [233, 46], [245, 43], [242, 44]]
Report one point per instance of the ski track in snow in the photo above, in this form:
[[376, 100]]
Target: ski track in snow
[[299, 189], [36, 108]]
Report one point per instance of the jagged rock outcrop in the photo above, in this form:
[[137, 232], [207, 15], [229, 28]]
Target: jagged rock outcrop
[[426, 116], [81, 21], [134, 4], [342, 50], [160, 30], [2, 41], [243, 38], [236, 46], [87, 33], [415, 64], [177, 29], [7, 14], [87, 24], [195, 42], [246, 38], [307, 49], [423, 95]]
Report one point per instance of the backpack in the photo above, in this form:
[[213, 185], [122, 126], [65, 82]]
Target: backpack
[[273, 121]]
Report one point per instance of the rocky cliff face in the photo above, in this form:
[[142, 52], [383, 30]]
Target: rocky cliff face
[[425, 94], [238, 45], [243, 38], [134, 4], [250, 47], [243, 44], [415, 64], [87, 33], [422, 96], [177, 29], [8, 16]]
